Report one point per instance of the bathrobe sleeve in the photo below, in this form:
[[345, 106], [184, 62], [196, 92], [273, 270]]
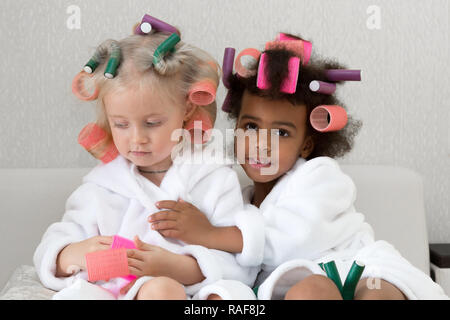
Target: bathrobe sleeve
[[80, 221], [313, 213], [222, 195]]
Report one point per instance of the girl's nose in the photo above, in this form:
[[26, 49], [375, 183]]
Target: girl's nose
[[139, 136], [264, 141]]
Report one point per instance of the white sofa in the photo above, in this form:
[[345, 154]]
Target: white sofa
[[31, 199]]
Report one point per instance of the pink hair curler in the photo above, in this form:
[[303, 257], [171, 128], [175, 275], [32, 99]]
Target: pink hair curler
[[95, 140], [227, 66], [200, 121], [304, 52], [79, 89], [107, 264], [299, 47], [289, 84], [119, 243], [328, 118], [150, 23], [242, 70], [322, 87], [261, 81], [203, 92]]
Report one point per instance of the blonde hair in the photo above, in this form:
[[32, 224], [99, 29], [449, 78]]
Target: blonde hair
[[173, 77]]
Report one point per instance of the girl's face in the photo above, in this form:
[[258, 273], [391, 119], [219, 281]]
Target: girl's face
[[141, 124], [280, 118]]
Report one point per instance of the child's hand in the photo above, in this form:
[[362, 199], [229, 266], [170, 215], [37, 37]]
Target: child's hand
[[181, 221], [148, 260], [73, 255]]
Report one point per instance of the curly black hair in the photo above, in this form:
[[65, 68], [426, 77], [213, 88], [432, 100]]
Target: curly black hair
[[332, 144]]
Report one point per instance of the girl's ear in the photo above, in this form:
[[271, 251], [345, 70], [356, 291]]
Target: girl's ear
[[307, 148], [190, 110]]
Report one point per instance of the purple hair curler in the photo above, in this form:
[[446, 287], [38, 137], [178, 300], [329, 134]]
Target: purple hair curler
[[150, 23], [227, 66], [322, 87], [226, 106], [343, 75]]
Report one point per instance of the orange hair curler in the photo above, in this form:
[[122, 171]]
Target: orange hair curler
[[95, 140], [206, 123], [203, 92], [79, 89], [328, 118]]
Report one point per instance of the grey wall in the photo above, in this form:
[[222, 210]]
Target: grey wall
[[403, 99]]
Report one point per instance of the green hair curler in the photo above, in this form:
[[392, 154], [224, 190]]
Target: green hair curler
[[348, 291], [93, 62], [333, 274], [113, 62], [167, 46], [91, 65]]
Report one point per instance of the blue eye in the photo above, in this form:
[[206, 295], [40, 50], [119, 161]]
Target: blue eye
[[152, 124], [120, 125]]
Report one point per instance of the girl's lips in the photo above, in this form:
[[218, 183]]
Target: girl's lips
[[258, 165], [139, 153]]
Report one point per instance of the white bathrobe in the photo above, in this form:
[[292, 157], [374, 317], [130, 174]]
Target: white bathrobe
[[115, 199], [309, 217]]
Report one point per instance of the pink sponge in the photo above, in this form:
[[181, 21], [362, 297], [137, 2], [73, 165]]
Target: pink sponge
[[107, 264]]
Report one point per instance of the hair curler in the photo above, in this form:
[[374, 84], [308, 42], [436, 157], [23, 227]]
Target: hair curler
[[93, 63], [166, 46], [119, 243], [227, 66], [114, 60], [201, 120], [242, 70], [306, 46], [79, 88], [261, 80], [353, 276], [343, 75], [226, 106], [203, 92], [107, 264], [322, 87], [95, 140], [300, 47], [328, 118], [150, 23], [333, 273], [289, 84]]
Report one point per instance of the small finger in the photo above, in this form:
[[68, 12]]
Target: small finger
[[132, 262], [134, 271], [125, 289], [166, 204], [170, 233], [163, 215], [142, 246], [163, 225], [106, 240], [134, 254]]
